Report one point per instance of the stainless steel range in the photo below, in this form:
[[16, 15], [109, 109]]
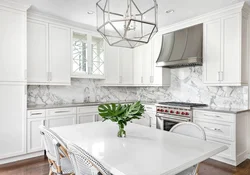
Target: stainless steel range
[[169, 114]]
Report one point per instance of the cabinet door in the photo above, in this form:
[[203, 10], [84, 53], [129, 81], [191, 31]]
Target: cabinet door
[[160, 76], [59, 54], [144, 120], [112, 68], [212, 52], [37, 52], [126, 66], [13, 103], [138, 79], [61, 121], [13, 37], [33, 135], [146, 63], [86, 118], [231, 59]]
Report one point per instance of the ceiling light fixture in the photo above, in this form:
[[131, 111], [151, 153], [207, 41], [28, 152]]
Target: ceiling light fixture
[[127, 23], [170, 11]]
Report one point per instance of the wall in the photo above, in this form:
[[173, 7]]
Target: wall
[[186, 85]]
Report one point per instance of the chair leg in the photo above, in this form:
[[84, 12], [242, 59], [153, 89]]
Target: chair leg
[[50, 172], [197, 169]]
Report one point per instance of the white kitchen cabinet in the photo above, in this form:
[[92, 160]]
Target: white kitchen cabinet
[[112, 66], [160, 76], [126, 68], [228, 129], [13, 103], [34, 139], [59, 54], [86, 118], [60, 117], [35, 118], [225, 50], [88, 55], [212, 52], [49, 57], [13, 37], [58, 121], [145, 71], [143, 64], [118, 66], [148, 118], [38, 58], [87, 114]]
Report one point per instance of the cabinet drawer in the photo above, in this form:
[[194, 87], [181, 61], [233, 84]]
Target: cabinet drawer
[[214, 116], [87, 109], [60, 111], [149, 108], [223, 131], [229, 153], [36, 113]]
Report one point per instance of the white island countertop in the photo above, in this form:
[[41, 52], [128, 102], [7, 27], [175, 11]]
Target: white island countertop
[[145, 151]]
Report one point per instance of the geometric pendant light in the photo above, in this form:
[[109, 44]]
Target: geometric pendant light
[[127, 23]]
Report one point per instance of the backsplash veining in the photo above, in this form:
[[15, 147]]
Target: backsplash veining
[[186, 85]]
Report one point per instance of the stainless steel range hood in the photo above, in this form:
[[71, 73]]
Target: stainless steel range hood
[[182, 48]]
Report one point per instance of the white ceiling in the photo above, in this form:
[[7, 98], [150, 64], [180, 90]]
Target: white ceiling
[[76, 10]]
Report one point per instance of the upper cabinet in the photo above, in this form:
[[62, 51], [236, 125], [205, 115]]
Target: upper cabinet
[[135, 67], [145, 71], [226, 50], [13, 36], [87, 55], [118, 66], [48, 54]]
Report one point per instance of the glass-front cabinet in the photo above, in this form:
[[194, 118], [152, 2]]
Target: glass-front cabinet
[[87, 56]]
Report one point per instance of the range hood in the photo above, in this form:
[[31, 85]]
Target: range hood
[[182, 48]]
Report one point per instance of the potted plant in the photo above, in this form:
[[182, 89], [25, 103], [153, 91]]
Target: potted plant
[[121, 114]]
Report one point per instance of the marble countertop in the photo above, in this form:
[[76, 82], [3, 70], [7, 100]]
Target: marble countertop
[[36, 107], [221, 109]]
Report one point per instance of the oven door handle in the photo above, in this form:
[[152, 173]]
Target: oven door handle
[[170, 119]]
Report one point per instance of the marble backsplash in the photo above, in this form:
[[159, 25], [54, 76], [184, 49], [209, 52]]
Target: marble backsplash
[[186, 86]]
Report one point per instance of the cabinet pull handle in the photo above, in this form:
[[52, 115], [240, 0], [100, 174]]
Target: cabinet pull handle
[[214, 129], [61, 111], [36, 114], [212, 116]]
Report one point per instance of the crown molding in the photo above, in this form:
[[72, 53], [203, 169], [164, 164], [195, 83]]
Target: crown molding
[[39, 15], [234, 8], [14, 5]]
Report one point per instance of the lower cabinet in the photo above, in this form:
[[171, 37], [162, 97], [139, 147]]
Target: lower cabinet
[[86, 118], [12, 120], [34, 141], [61, 121], [228, 129], [148, 118], [87, 114]]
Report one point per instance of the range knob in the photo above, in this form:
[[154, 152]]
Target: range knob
[[171, 111], [158, 110], [186, 113], [162, 110], [166, 110], [183, 113], [177, 112]]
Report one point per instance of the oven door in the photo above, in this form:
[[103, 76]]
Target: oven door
[[166, 122]]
